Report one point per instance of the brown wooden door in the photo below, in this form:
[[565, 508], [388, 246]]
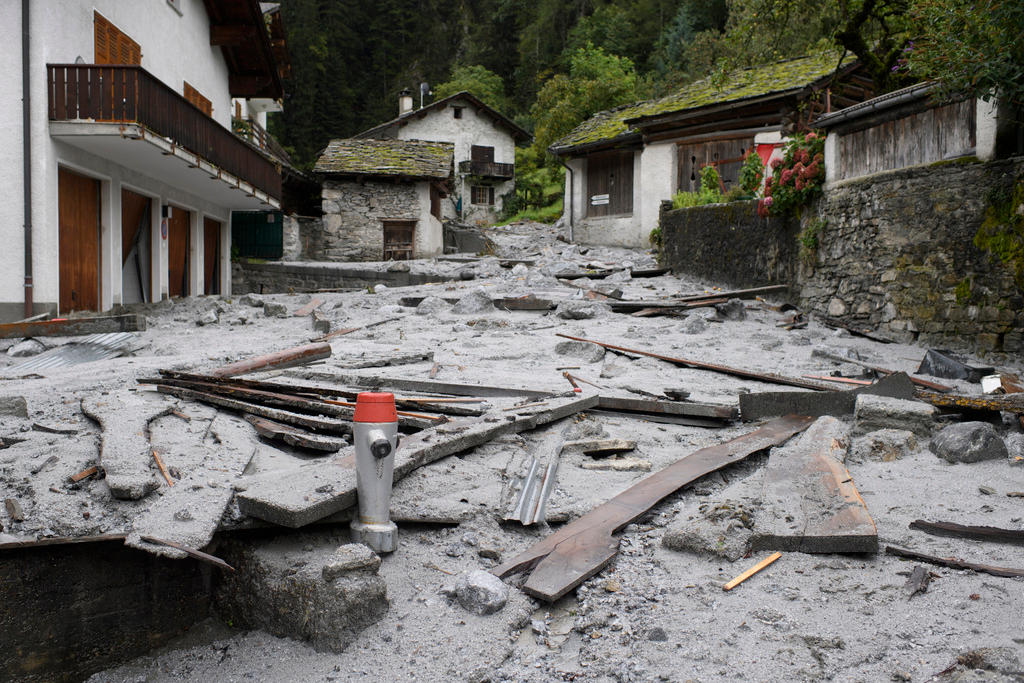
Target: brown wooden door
[[726, 155], [211, 256], [177, 252], [79, 241], [398, 240], [610, 184]]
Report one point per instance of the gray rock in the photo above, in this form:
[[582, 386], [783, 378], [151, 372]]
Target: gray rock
[[885, 445], [467, 274], [612, 369], [273, 309], [520, 269], [695, 324], [26, 347], [209, 318], [586, 352], [968, 442], [477, 301], [254, 300], [480, 592], [733, 309], [431, 306], [657, 635], [398, 267], [718, 528], [1015, 448], [882, 412], [14, 405], [351, 557], [581, 310]]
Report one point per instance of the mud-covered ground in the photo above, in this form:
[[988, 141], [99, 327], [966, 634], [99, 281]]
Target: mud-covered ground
[[654, 613]]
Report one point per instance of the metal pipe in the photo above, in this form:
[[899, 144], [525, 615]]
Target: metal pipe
[[26, 134], [572, 178]]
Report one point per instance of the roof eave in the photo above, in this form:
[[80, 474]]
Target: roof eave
[[624, 140]]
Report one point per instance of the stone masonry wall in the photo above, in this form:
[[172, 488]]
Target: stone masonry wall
[[303, 237], [353, 212], [729, 243], [897, 255]]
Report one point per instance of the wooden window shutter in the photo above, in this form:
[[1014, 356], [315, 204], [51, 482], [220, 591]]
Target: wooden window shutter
[[196, 98], [113, 46]]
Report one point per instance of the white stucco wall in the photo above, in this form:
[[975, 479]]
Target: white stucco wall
[[428, 239], [658, 170], [987, 124], [440, 125], [175, 48]]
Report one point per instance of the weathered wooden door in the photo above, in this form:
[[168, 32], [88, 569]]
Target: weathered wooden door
[[177, 252], [610, 184], [79, 241], [398, 240], [211, 256], [726, 155]]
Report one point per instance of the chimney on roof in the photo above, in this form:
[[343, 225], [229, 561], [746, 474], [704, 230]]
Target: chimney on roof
[[404, 102]]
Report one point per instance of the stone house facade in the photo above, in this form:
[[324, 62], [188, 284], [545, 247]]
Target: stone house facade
[[382, 199], [484, 143]]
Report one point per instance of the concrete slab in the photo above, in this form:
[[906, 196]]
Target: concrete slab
[[125, 450], [817, 403], [810, 503], [881, 412]]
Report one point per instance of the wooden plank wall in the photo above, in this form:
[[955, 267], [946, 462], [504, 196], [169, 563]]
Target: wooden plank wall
[[932, 135], [726, 155]]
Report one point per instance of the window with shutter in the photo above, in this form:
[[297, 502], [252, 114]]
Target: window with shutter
[[193, 96], [113, 46]]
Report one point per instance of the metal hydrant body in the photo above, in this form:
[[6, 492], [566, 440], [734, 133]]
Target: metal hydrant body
[[375, 432]]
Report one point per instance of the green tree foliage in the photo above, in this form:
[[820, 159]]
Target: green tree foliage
[[596, 81], [971, 46], [478, 80]]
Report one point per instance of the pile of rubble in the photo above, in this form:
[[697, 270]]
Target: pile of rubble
[[673, 480]]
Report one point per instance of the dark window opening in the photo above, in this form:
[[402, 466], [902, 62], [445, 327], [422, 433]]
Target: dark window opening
[[457, 112]]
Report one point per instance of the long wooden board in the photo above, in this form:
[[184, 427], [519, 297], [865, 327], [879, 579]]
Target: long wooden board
[[74, 327], [582, 548]]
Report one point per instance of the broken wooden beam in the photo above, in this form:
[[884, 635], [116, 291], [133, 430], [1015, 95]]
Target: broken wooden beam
[[757, 406], [654, 407], [191, 552], [308, 308], [1011, 403], [935, 386], [426, 386], [288, 358], [955, 563], [349, 330], [977, 533], [724, 369], [918, 581], [275, 431], [749, 293], [580, 549], [74, 327], [85, 474]]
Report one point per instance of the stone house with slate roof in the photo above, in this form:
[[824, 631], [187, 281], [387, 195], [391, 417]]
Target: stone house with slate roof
[[624, 162], [382, 198], [485, 149]]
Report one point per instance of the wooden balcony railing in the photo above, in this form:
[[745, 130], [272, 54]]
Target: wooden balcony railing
[[256, 134], [130, 94], [487, 169]]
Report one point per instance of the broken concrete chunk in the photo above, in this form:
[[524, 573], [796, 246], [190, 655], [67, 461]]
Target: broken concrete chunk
[[18, 406], [618, 464], [272, 309], [351, 557], [321, 323], [14, 510], [733, 309], [694, 324], [480, 592], [884, 445], [1015, 448], [26, 347], [254, 300], [280, 586], [211, 317], [882, 412], [581, 310], [968, 442], [586, 352], [721, 529], [125, 451], [477, 301], [810, 504], [599, 448]]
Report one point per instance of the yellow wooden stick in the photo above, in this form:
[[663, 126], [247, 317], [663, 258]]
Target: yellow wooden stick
[[750, 572]]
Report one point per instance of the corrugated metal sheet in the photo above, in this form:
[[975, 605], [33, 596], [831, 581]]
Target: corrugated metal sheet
[[91, 348]]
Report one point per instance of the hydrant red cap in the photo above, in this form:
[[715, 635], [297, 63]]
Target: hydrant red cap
[[375, 407]]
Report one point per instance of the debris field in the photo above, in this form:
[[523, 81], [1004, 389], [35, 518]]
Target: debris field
[[607, 472]]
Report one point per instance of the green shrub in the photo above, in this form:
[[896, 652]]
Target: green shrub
[[751, 174], [709, 192]]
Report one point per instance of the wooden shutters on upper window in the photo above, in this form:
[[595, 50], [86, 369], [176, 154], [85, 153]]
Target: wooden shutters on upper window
[[610, 184], [193, 96], [481, 153], [113, 46]]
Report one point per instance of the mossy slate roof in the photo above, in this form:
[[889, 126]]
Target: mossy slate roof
[[777, 78], [388, 158]]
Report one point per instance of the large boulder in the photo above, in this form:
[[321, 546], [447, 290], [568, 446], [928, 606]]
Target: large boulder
[[586, 352], [968, 442]]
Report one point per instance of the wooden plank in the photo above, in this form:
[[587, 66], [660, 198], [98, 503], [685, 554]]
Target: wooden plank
[[935, 386], [299, 438], [977, 533], [308, 308], [640, 405], [289, 358], [955, 563], [750, 572], [724, 369], [426, 386], [580, 549], [1011, 403]]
